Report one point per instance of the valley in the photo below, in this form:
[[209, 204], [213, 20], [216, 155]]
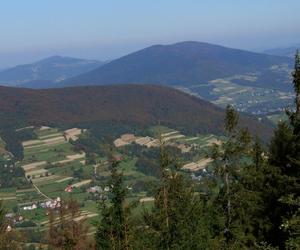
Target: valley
[[56, 169], [247, 99]]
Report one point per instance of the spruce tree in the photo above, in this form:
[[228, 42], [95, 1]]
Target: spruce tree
[[175, 221], [256, 188], [114, 228], [230, 202], [285, 158]]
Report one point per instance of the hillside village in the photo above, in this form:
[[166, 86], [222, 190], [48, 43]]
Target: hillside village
[[54, 170]]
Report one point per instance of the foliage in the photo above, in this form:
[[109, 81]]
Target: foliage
[[174, 222], [11, 175], [113, 231], [68, 230], [285, 158], [8, 238]]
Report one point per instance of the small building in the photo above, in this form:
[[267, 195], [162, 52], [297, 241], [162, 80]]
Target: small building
[[95, 189], [69, 189]]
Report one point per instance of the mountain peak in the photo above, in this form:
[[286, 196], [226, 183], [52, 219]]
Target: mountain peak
[[183, 64], [55, 68]]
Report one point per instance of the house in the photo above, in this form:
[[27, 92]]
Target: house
[[69, 189], [52, 204], [31, 207], [95, 189]]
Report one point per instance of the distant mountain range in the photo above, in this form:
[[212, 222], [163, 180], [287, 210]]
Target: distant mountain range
[[284, 51], [182, 64], [141, 105], [255, 83], [47, 72], [189, 63]]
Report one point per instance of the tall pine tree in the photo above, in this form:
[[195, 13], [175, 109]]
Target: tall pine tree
[[285, 157], [175, 221], [232, 200], [114, 228]]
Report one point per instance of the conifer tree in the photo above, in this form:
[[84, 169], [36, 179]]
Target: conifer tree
[[256, 187], [114, 228], [175, 221], [285, 157], [229, 161]]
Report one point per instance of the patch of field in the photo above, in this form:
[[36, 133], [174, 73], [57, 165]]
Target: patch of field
[[120, 143], [8, 198], [46, 179], [31, 142], [31, 166], [64, 179], [48, 153], [6, 194], [169, 134], [83, 215], [25, 190], [44, 143], [81, 183], [42, 128], [50, 136], [73, 133], [196, 166], [71, 158], [174, 137], [37, 172], [44, 131], [192, 139], [147, 199], [20, 129]]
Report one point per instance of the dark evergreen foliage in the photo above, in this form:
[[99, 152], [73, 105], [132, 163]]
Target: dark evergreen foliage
[[113, 231]]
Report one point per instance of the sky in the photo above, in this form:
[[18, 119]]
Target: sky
[[107, 29]]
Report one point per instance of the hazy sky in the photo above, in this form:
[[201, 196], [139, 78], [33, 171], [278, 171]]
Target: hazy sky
[[105, 29]]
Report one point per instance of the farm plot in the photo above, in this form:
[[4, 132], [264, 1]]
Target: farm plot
[[40, 161], [50, 163], [196, 166]]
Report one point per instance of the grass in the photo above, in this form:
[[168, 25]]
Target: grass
[[46, 132], [53, 187], [48, 153], [91, 206]]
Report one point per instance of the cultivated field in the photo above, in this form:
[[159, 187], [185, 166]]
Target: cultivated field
[[49, 164]]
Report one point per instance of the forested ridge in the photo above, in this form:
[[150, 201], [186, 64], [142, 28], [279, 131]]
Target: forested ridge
[[132, 105]]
